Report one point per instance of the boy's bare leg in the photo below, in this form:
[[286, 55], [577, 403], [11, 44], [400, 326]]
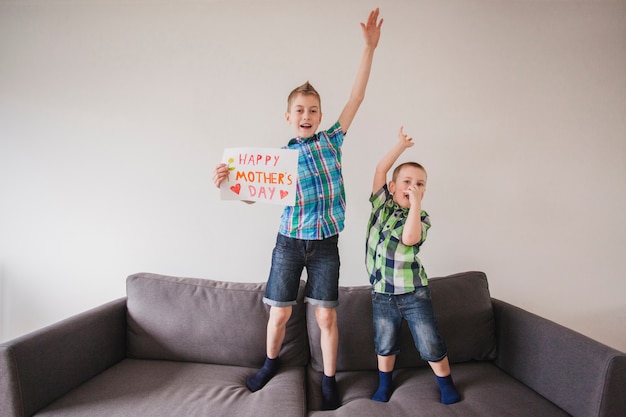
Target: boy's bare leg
[[386, 363], [276, 327], [441, 368], [329, 338], [329, 342]]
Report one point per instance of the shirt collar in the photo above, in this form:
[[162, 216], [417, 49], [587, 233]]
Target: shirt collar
[[390, 204], [394, 207], [304, 140]]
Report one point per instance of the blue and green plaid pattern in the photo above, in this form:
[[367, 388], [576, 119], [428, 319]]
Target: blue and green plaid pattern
[[394, 268], [319, 211]]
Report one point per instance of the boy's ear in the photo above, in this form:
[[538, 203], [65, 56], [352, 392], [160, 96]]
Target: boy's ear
[[392, 186], [287, 118]]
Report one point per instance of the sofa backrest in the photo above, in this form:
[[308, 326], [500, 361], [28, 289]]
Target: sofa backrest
[[462, 304], [207, 321]]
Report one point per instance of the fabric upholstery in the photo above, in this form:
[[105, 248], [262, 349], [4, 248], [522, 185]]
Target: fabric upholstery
[[208, 321], [522, 334], [462, 304], [486, 391], [168, 389], [41, 366]]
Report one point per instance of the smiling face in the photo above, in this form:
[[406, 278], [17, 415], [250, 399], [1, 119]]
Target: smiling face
[[304, 115], [405, 176]]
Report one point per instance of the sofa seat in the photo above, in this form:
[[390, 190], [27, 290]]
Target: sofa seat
[[156, 388], [486, 391]]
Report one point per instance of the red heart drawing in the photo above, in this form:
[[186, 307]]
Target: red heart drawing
[[283, 194], [236, 188]]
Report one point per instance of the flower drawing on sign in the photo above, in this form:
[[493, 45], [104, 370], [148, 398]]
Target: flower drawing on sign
[[230, 161]]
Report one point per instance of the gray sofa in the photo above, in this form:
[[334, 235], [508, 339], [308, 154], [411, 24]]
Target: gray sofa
[[184, 347]]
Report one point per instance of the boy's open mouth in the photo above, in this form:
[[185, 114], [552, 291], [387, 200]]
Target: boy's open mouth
[[305, 126]]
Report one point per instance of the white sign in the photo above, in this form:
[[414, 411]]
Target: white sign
[[261, 174]]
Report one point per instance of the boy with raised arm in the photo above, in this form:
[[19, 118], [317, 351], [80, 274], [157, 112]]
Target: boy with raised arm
[[396, 229], [309, 230]]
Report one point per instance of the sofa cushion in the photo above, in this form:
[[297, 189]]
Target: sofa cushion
[[464, 315], [208, 321], [164, 389], [486, 390], [462, 304]]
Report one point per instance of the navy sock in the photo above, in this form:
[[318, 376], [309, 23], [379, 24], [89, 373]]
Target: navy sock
[[449, 394], [385, 387], [263, 375], [330, 393]]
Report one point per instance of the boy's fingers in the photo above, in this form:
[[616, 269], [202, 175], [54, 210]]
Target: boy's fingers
[[373, 17]]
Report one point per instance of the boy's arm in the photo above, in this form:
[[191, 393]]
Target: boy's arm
[[371, 34], [412, 231], [387, 161]]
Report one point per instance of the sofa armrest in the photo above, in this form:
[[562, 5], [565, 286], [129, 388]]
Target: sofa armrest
[[580, 375], [39, 367]]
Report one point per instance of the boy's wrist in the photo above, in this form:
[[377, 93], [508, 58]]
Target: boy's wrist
[[369, 49]]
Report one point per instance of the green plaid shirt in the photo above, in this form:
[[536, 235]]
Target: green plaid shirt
[[393, 267]]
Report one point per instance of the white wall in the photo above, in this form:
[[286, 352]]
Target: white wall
[[113, 115]]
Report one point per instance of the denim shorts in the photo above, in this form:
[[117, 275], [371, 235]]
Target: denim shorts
[[417, 309], [290, 257]]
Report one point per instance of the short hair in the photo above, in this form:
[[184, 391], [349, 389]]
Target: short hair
[[305, 89], [412, 164]]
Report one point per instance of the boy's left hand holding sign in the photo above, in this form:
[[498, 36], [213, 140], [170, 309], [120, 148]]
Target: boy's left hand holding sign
[[258, 174]]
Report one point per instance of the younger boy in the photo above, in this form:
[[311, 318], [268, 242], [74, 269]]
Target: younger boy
[[396, 230], [309, 230]]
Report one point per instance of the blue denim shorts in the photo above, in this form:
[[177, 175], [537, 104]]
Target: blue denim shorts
[[417, 309], [290, 257]]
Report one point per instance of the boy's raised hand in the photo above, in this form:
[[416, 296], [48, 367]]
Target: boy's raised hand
[[371, 34], [405, 140], [371, 29]]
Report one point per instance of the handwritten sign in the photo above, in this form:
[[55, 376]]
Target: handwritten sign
[[261, 174]]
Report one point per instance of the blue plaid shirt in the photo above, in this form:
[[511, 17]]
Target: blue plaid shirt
[[319, 211]]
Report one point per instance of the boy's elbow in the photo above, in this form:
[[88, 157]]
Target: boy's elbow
[[411, 240], [357, 99], [381, 170]]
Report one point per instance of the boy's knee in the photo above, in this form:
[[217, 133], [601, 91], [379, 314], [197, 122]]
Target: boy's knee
[[326, 317], [279, 316]]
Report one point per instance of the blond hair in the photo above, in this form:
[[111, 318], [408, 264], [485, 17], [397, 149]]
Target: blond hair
[[305, 89], [396, 171]]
